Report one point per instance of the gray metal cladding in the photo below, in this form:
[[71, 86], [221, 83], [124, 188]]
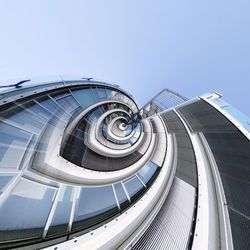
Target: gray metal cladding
[[171, 227], [202, 117], [240, 229], [231, 151], [186, 164]]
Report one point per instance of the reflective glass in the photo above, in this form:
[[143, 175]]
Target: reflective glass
[[94, 93], [134, 187], [13, 142], [68, 103], [93, 116], [121, 196], [4, 180], [60, 94], [133, 140], [49, 104], [40, 111], [84, 97], [110, 93], [94, 205], [101, 94], [24, 117], [25, 212], [59, 223], [147, 172]]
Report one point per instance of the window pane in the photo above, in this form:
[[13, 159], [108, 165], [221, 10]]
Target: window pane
[[61, 216], [84, 97], [4, 180], [110, 93], [13, 142], [49, 104], [30, 121], [101, 94], [94, 205], [121, 196], [68, 103], [147, 172], [25, 212], [134, 188], [40, 111]]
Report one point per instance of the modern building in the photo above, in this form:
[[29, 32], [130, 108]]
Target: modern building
[[82, 166]]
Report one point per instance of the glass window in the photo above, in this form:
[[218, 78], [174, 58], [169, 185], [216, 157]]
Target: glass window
[[49, 104], [4, 181], [84, 97], [94, 205], [133, 140], [54, 108], [13, 142], [40, 111], [134, 188], [138, 127], [147, 172], [25, 212], [110, 93], [23, 117], [93, 116], [121, 196], [61, 94], [101, 94], [95, 95], [59, 223], [68, 103]]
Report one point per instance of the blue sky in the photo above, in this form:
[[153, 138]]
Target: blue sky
[[192, 47]]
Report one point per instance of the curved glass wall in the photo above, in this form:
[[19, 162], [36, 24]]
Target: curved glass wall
[[75, 155], [36, 203]]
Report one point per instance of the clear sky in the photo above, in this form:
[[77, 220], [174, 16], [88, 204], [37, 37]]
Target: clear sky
[[192, 47]]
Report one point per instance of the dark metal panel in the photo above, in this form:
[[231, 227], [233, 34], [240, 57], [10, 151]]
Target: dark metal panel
[[231, 150], [186, 163]]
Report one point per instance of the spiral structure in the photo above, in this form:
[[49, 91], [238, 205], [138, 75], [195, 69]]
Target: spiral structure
[[83, 166]]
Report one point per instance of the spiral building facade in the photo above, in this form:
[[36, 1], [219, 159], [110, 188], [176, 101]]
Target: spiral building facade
[[82, 166]]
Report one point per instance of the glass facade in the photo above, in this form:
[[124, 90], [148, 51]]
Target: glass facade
[[77, 155], [24, 214], [36, 206]]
